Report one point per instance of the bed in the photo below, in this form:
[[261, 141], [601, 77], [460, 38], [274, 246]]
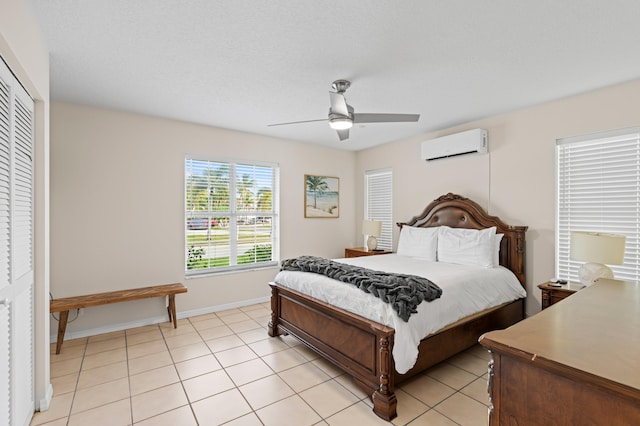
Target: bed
[[363, 347]]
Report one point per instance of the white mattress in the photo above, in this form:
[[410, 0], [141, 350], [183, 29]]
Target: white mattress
[[465, 291]]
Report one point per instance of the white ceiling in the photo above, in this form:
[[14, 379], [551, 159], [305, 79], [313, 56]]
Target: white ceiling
[[245, 64]]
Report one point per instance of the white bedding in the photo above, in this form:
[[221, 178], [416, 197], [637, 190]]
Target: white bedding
[[465, 291]]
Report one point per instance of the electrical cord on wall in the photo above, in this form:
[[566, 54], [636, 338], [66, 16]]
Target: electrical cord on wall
[[58, 319], [489, 188]]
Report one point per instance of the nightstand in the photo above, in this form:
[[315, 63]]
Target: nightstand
[[551, 295], [362, 251]]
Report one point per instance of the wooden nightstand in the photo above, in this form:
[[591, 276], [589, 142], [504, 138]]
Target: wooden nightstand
[[362, 251], [551, 295]]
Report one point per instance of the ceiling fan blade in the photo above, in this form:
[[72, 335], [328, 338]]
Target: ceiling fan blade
[[343, 134], [338, 104], [297, 122], [385, 118]]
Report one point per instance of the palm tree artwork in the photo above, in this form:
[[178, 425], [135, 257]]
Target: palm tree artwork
[[316, 184], [321, 196]]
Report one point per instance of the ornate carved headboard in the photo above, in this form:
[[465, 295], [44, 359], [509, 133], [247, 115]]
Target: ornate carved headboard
[[460, 212]]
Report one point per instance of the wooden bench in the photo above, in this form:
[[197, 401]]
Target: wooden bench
[[66, 304]]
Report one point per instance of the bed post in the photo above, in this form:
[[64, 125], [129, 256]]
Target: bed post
[[384, 398], [275, 312]]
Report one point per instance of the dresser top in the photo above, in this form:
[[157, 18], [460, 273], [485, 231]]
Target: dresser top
[[596, 330]]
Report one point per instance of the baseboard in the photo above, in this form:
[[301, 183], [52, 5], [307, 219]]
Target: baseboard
[[45, 402], [220, 308], [156, 320]]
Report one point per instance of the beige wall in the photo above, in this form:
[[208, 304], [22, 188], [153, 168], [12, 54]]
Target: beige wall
[[516, 181], [117, 195], [23, 49], [117, 205]]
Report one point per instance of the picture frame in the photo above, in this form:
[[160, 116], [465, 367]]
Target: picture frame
[[321, 196]]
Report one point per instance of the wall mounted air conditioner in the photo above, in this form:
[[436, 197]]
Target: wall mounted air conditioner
[[469, 142]]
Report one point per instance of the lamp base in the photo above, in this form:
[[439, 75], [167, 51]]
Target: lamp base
[[372, 243], [589, 273]]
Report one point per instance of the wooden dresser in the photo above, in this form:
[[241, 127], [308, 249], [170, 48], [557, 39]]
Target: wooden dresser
[[575, 363]]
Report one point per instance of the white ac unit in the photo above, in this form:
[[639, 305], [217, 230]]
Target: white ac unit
[[469, 142]]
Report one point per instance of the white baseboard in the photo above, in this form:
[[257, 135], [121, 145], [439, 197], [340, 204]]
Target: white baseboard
[[155, 320], [45, 401], [219, 308]]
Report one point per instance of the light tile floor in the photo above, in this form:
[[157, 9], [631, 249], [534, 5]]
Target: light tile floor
[[223, 368]]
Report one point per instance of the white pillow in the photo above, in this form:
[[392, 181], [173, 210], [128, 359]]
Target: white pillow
[[467, 246], [496, 253], [418, 242]]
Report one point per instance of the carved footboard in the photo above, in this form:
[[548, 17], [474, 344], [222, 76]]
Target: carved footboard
[[359, 346]]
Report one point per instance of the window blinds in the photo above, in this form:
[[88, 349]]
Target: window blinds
[[599, 191], [379, 206], [230, 216]]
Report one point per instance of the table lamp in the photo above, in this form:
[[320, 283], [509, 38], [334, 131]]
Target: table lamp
[[596, 249], [372, 228]]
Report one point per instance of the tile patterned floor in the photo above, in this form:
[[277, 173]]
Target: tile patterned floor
[[223, 368]]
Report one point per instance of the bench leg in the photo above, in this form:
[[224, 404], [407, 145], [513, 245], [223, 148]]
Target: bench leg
[[62, 326], [172, 310]]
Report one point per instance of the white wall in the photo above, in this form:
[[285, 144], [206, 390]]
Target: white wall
[[117, 182], [113, 171], [516, 181], [23, 49]]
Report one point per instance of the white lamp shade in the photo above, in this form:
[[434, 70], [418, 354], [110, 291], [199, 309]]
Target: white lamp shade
[[372, 227], [596, 247]]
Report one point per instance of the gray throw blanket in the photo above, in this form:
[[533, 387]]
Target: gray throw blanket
[[403, 292]]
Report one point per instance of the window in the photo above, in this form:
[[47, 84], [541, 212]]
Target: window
[[378, 204], [231, 219], [599, 190]]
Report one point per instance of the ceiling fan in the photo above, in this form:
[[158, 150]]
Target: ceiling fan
[[342, 115]]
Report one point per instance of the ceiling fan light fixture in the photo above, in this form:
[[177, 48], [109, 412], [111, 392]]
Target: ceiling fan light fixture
[[341, 123], [342, 115]]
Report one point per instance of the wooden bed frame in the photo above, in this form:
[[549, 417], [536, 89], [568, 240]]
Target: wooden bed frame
[[363, 348]]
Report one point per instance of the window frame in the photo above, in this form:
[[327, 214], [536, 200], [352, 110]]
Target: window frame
[[384, 210], [233, 213], [578, 212]]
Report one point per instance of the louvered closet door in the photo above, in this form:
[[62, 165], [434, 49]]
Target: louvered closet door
[[16, 252]]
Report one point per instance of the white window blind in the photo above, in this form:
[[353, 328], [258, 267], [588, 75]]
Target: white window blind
[[378, 204], [231, 219], [599, 191]]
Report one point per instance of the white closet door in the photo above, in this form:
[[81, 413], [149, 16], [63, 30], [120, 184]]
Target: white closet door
[[16, 252], [5, 247]]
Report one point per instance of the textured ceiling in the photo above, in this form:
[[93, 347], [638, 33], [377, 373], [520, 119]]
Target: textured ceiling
[[245, 64]]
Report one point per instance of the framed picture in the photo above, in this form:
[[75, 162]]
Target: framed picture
[[321, 196]]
